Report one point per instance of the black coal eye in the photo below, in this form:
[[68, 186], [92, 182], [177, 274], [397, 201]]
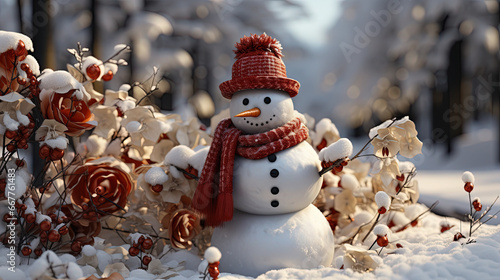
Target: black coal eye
[[267, 100], [245, 101]]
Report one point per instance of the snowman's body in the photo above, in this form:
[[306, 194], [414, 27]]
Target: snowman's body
[[274, 224]]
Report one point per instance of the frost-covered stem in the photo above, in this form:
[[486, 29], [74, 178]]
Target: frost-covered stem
[[129, 232], [369, 141], [126, 48], [12, 78], [493, 216], [486, 212], [378, 253], [368, 233], [373, 244], [471, 220], [407, 180], [421, 214]]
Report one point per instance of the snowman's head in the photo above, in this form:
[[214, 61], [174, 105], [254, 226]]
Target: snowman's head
[[260, 110]]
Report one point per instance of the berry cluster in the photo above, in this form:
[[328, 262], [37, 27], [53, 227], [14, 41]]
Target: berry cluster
[[142, 244]]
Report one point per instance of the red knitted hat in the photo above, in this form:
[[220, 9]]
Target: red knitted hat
[[258, 65]]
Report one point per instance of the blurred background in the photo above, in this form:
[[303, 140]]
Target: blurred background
[[359, 62]]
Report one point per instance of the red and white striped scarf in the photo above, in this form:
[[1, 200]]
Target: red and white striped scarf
[[214, 195]]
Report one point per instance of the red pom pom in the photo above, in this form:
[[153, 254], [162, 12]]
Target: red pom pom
[[257, 43]]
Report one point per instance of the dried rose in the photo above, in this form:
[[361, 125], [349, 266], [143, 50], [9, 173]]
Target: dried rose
[[184, 226], [100, 187]]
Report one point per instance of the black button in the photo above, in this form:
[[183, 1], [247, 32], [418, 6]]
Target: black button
[[271, 157], [275, 173], [275, 203], [275, 190]]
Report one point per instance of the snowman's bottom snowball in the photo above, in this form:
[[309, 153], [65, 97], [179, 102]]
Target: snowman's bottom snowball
[[254, 244]]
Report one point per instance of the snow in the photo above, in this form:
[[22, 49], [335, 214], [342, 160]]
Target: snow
[[9, 40], [179, 156], [60, 142], [155, 176], [212, 254], [349, 181], [338, 150], [382, 200], [381, 230], [61, 82], [89, 250], [32, 63], [468, 177], [198, 159]]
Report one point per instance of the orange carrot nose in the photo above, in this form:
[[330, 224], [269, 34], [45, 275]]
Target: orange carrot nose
[[255, 112]]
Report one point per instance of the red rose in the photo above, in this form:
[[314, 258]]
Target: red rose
[[99, 189], [68, 110]]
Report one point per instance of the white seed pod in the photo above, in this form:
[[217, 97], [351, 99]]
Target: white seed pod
[[381, 230], [382, 200], [179, 156], [212, 254], [468, 177], [155, 176]]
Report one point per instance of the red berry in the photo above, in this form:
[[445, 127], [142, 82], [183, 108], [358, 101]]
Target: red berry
[[133, 251], [25, 67], [382, 241], [54, 236], [19, 162], [157, 188], [56, 154], [321, 145], [338, 168], [44, 151], [45, 225], [10, 134], [26, 251], [21, 48], [477, 205], [38, 251], [398, 188], [93, 71], [30, 218], [63, 230], [146, 260], [414, 223], [385, 151], [468, 187], [43, 236], [445, 228], [457, 236], [108, 76], [382, 210], [399, 245], [76, 246], [141, 239], [345, 162], [147, 243]]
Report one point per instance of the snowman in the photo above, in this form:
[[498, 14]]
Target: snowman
[[261, 176]]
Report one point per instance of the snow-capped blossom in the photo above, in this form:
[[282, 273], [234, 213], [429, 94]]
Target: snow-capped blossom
[[468, 177], [144, 129], [179, 156], [349, 181], [14, 108], [338, 150], [169, 191], [383, 202], [325, 133], [33, 66], [94, 146], [197, 160], [67, 108], [62, 82], [155, 176], [92, 68], [381, 231], [359, 260], [13, 48], [212, 254], [120, 99], [107, 122], [476, 203], [386, 144]]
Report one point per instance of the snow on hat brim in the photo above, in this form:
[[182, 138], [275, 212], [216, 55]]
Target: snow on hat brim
[[228, 88]]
